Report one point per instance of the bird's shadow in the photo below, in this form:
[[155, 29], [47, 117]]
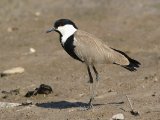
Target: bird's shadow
[[63, 105]]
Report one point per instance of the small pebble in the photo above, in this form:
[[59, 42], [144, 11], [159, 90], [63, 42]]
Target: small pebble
[[15, 70], [81, 95], [119, 116], [32, 50], [37, 14], [155, 79], [11, 29]]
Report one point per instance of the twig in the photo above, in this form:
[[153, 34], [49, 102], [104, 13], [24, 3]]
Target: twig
[[133, 112], [129, 102]]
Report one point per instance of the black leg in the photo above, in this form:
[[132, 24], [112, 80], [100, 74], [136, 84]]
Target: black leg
[[97, 80], [90, 75], [95, 71], [91, 89]]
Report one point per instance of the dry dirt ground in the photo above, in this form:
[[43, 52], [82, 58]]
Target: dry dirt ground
[[129, 25]]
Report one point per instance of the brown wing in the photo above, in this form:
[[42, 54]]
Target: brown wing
[[92, 50]]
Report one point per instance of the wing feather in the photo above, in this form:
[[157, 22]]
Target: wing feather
[[93, 50]]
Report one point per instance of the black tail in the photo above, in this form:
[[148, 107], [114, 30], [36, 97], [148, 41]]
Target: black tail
[[133, 64]]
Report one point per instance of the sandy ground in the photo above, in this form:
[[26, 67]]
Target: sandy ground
[[131, 26]]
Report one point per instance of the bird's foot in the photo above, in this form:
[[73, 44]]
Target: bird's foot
[[89, 106]]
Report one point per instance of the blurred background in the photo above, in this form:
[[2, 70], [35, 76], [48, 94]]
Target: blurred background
[[132, 26]]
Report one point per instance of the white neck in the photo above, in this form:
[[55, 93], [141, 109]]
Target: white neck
[[66, 32]]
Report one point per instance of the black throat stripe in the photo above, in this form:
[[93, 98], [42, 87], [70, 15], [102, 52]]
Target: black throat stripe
[[69, 48]]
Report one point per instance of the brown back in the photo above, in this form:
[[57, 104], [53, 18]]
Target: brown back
[[93, 50]]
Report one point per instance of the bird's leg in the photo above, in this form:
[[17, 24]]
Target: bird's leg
[[95, 71], [97, 77], [91, 88]]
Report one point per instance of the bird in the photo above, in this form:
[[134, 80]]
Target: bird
[[90, 50]]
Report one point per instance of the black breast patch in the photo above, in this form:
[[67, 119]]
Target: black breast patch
[[69, 48]]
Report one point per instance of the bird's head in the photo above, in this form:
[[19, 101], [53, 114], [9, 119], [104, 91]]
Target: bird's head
[[63, 27]]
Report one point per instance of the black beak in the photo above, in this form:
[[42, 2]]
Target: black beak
[[50, 30]]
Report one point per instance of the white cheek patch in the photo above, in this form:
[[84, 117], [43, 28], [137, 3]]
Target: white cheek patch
[[61, 29], [66, 31]]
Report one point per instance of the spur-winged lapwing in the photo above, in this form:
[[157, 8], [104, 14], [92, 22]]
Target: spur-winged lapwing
[[90, 50]]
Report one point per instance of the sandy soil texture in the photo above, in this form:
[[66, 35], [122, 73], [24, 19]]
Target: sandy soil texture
[[132, 26]]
